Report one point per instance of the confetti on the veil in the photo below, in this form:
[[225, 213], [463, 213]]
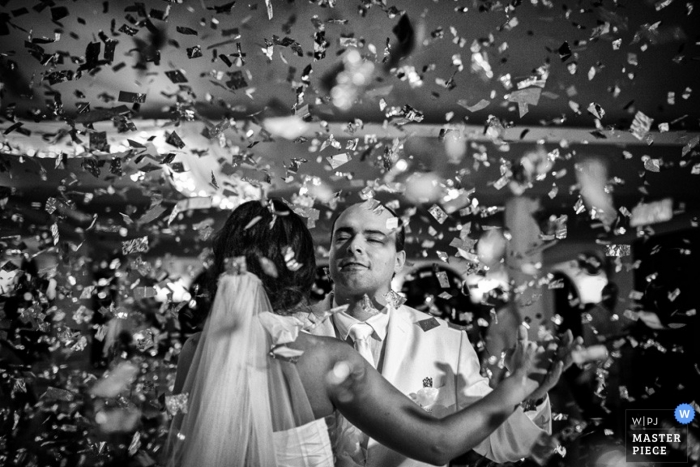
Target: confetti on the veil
[[176, 403], [618, 250], [136, 245]]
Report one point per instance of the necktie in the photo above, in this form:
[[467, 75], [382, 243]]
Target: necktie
[[361, 333]]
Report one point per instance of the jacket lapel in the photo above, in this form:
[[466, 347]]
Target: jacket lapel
[[398, 342]]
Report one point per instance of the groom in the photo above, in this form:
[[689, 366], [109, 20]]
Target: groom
[[422, 356]]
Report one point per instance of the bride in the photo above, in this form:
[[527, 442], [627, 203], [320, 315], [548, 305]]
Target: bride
[[263, 392]]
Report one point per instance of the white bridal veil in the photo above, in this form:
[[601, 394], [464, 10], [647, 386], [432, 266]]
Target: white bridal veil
[[238, 396]]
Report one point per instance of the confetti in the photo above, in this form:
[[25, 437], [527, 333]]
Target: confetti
[[442, 278], [439, 215], [428, 324], [338, 160], [596, 110], [641, 125], [237, 80], [618, 250], [282, 352], [176, 76], [564, 52], [258, 114], [136, 245], [194, 52], [132, 97], [394, 299], [116, 381], [58, 394], [290, 260], [481, 105], [176, 403]]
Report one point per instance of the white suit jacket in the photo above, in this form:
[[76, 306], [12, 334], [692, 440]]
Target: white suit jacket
[[445, 355]]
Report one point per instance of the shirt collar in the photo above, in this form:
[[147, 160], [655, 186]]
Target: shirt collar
[[379, 322]]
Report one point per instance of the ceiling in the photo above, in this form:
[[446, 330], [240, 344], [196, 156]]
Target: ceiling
[[85, 83], [645, 50]]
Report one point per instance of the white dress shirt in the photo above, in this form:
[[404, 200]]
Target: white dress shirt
[[379, 322]]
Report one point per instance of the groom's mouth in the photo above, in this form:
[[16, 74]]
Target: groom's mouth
[[351, 266]]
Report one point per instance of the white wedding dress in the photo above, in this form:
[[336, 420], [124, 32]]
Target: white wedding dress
[[246, 404]]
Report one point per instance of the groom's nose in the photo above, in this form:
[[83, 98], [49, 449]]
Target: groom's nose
[[355, 245]]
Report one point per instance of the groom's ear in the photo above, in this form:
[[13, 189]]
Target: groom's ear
[[399, 260]]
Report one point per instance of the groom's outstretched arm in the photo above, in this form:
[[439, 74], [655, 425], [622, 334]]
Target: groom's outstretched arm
[[515, 438]]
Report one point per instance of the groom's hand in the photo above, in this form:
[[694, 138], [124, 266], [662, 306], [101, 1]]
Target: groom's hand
[[557, 358]]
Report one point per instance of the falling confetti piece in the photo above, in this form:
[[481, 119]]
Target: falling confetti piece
[[481, 105], [176, 403], [442, 278], [338, 160], [618, 250], [641, 125], [137, 245], [132, 97], [596, 110], [439, 215]]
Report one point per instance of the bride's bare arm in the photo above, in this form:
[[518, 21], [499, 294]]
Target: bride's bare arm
[[372, 404]]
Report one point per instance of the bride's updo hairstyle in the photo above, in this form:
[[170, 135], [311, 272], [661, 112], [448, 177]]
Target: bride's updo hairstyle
[[260, 231]]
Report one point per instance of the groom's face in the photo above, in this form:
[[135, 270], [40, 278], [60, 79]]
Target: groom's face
[[363, 256]]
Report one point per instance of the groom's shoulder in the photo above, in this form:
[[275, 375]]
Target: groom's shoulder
[[429, 324]]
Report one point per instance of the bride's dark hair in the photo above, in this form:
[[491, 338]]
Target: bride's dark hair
[[260, 231]]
